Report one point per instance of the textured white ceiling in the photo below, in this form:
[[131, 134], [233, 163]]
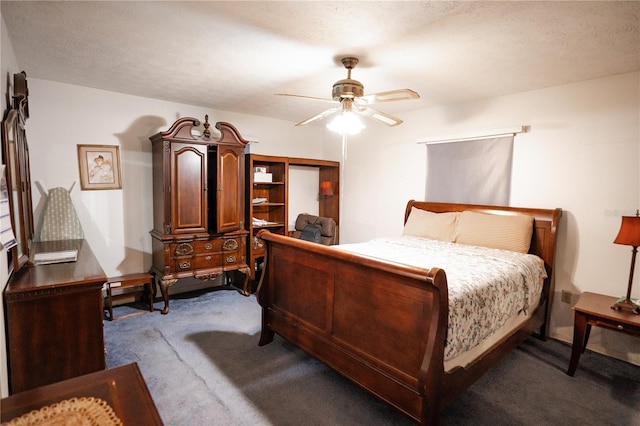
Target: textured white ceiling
[[235, 56]]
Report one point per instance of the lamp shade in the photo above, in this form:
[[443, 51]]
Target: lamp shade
[[326, 188], [629, 233]]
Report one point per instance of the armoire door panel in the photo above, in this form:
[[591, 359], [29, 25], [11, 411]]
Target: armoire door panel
[[230, 195], [188, 189]]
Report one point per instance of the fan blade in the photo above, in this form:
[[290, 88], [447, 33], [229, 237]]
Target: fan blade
[[316, 117], [308, 97], [382, 117], [390, 96]]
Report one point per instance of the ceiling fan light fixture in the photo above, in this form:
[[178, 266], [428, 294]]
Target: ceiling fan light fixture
[[348, 95], [346, 122]]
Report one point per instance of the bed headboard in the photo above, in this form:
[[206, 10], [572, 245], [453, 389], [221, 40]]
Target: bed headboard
[[545, 223]]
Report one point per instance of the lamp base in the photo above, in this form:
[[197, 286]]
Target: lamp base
[[625, 304]]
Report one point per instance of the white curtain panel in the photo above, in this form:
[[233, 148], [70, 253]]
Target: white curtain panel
[[474, 171]]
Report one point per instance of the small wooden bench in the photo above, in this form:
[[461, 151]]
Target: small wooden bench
[[130, 280]]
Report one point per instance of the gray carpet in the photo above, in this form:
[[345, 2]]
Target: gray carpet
[[203, 366]]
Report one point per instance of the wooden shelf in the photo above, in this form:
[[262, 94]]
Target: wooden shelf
[[271, 225]]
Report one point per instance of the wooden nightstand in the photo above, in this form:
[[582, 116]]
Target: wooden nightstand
[[595, 309]]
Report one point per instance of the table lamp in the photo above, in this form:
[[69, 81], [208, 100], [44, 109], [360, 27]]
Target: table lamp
[[629, 235]]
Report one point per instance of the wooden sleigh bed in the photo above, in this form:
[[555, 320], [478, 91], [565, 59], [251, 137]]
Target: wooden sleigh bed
[[383, 324]]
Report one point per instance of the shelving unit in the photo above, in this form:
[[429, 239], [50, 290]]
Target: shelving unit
[[274, 210]]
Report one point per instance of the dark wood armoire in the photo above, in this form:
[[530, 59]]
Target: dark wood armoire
[[198, 205]]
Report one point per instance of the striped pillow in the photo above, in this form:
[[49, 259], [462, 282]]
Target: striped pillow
[[436, 226], [495, 231]]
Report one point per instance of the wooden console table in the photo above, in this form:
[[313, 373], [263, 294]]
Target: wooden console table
[[54, 318], [123, 388]]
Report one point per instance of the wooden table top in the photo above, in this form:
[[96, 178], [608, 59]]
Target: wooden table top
[[123, 388], [600, 305], [85, 270]]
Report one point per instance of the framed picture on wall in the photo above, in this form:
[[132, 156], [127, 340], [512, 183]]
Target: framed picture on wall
[[99, 167]]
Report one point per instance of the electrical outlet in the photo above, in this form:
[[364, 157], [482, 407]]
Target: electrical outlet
[[566, 296]]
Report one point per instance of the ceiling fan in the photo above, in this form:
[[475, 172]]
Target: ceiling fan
[[348, 96]]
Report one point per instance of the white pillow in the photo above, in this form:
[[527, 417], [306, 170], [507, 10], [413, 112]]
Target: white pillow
[[495, 231], [436, 226]]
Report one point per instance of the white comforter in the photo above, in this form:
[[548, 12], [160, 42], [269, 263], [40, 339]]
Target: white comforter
[[486, 286]]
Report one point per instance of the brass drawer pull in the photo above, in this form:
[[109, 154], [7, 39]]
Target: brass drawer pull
[[184, 249], [620, 327], [230, 245], [207, 258], [231, 259], [208, 246], [185, 265]]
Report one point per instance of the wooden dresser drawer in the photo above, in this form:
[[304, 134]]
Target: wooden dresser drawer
[[207, 261], [196, 247], [206, 254], [207, 246], [203, 261], [232, 258], [616, 325]]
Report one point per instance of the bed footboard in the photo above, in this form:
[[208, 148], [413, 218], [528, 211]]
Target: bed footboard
[[380, 324]]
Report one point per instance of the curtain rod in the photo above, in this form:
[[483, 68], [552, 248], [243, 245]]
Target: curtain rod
[[475, 135]]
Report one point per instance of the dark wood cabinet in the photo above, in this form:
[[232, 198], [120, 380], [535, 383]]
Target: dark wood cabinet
[[198, 203], [54, 318]]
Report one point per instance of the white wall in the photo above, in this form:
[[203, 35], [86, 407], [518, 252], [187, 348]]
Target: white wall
[[582, 154]]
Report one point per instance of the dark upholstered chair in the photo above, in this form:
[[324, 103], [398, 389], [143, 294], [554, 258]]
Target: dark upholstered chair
[[328, 225]]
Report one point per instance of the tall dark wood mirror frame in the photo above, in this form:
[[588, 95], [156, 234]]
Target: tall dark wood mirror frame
[[15, 156]]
